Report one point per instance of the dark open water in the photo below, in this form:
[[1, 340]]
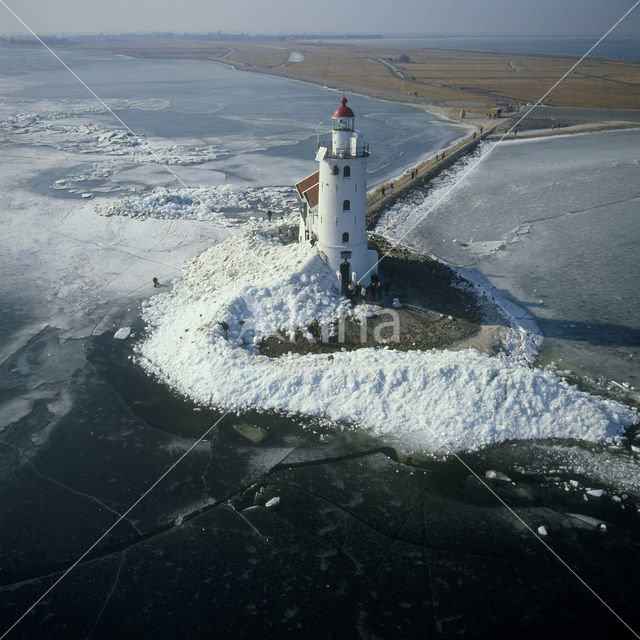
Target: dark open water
[[366, 542]]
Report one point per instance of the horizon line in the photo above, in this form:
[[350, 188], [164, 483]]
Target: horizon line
[[323, 34]]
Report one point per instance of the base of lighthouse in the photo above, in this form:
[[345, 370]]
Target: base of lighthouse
[[362, 263]]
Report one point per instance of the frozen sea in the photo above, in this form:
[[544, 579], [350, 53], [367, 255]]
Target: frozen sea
[[366, 541], [552, 226]]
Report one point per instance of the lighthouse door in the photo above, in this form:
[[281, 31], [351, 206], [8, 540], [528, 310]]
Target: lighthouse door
[[345, 271]]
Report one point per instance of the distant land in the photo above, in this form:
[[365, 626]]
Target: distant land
[[218, 35], [447, 78]]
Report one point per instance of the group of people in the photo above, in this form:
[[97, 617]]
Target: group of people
[[360, 293]]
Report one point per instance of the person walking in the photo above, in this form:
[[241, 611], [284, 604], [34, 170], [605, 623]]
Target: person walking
[[225, 328], [269, 215], [155, 282]]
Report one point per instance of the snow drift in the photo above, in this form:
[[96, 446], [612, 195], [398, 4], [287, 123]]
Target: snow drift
[[426, 401]]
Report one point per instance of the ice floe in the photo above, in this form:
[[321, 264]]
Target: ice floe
[[205, 203], [122, 333], [70, 131]]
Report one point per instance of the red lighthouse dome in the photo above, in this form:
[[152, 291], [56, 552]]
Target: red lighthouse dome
[[343, 111]]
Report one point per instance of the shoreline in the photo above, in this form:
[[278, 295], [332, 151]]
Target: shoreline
[[453, 79]]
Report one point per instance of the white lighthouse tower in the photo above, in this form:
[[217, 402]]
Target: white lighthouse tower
[[335, 201]]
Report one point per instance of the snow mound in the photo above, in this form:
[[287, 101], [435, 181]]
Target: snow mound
[[423, 401], [255, 285]]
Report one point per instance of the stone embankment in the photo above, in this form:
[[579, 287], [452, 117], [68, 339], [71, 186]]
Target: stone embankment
[[386, 194]]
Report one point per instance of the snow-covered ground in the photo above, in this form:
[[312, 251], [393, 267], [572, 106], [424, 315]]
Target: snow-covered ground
[[423, 401]]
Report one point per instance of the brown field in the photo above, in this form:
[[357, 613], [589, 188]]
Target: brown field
[[441, 77]]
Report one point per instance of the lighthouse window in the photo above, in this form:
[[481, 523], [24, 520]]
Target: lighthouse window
[[335, 170], [345, 237], [347, 172], [346, 205]]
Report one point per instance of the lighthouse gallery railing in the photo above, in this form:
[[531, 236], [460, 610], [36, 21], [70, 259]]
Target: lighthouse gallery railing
[[360, 151]]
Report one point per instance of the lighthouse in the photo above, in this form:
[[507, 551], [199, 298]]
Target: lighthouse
[[334, 199]]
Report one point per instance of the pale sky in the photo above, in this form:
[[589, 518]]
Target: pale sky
[[390, 17]]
